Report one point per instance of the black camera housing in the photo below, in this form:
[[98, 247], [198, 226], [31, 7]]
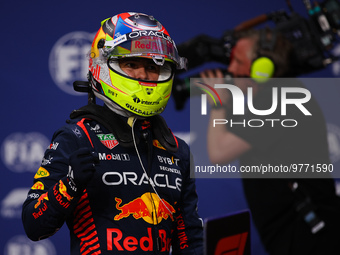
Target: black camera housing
[[312, 38]]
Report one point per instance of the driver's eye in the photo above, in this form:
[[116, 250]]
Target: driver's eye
[[153, 68], [130, 65]]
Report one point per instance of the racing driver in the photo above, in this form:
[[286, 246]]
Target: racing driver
[[115, 172]]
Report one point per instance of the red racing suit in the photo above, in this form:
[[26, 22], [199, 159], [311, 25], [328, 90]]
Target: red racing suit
[[124, 209]]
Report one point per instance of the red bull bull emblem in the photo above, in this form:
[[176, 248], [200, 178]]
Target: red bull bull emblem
[[144, 206], [63, 191], [43, 208], [157, 144], [41, 199]]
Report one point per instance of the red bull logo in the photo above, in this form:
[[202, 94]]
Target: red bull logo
[[165, 210], [63, 191], [157, 144], [95, 69], [148, 206], [136, 207], [149, 45], [40, 199], [116, 241]]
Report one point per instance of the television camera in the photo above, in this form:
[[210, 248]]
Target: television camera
[[312, 37]]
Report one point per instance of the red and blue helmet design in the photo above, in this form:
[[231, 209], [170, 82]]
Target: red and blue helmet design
[[127, 35]]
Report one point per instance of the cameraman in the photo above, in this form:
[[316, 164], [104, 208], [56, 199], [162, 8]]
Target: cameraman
[[279, 206]]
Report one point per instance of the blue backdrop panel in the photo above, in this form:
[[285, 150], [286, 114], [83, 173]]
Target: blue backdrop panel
[[43, 47]]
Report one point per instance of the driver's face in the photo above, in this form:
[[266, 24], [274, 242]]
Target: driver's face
[[140, 68]]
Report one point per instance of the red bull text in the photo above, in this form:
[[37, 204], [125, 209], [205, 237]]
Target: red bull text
[[116, 240]]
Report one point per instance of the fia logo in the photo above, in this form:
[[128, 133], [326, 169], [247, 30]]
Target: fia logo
[[20, 244], [68, 60], [22, 152]]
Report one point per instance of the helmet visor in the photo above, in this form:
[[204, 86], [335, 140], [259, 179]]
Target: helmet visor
[[163, 72], [159, 47]]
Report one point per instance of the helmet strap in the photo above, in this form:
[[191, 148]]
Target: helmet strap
[[85, 86]]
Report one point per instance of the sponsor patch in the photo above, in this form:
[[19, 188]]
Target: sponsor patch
[[42, 172], [63, 190], [41, 199], [157, 144], [149, 207], [53, 146], [38, 185], [109, 140]]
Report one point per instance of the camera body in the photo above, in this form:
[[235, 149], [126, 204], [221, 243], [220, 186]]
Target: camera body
[[312, 38]]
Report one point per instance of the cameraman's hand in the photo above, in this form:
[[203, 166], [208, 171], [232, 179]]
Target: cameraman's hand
[[212, 77], [216, 73], [82, 167]]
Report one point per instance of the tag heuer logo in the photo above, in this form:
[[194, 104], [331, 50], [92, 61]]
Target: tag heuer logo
[[109, 140]]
